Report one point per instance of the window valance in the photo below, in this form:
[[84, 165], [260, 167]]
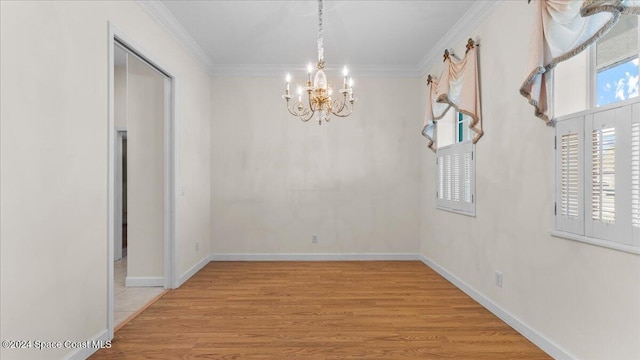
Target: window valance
[[561, 30], [457, 87]]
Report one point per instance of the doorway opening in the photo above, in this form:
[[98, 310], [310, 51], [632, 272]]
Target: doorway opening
[[141, 258]]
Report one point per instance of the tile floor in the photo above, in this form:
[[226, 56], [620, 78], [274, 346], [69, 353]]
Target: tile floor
[[128, 300]]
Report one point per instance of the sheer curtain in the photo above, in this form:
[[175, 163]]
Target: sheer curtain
[[562, 29], [457, 87]]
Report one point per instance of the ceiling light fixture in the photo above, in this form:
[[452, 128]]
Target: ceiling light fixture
[[320, 91]]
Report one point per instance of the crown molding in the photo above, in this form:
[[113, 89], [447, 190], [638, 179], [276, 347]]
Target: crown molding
[[270, 70], [462, 29], [165, 18]]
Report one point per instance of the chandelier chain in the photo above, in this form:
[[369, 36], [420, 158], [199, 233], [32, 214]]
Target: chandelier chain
[[320, 34]]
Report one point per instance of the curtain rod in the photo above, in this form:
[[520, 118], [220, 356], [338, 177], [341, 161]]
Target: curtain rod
[[470, 45]]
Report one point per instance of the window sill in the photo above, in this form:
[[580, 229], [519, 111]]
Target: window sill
[[597, 242], [457, 211]]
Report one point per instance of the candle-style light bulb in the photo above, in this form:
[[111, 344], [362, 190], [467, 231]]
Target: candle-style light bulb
[[345, 72], [309, 69], [299, 93], [288, 81]]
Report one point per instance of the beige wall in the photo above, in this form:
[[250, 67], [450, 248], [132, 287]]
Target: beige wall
[[145, 170], [276, 180], [53, 152], [364, 184], [582, 297]]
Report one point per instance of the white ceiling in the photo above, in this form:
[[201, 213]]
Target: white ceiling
[[272, 36]]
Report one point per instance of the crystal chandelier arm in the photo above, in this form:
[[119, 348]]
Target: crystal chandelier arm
[[300, 111], [339, 105], [344, 108], [310, 101], [289, 109], [306, 115], [305, 119]]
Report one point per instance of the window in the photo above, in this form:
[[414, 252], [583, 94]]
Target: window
[[455, 164], [605, 74], [453, 128], [463, 133], [616, 63], [597, 164], [456, 183], [597, 156]]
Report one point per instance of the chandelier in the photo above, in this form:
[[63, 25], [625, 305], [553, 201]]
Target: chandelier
[[320, 91]]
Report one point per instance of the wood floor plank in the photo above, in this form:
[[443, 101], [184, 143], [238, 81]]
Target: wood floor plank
[[318, 310]]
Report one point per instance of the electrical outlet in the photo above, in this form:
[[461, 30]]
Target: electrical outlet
[[498, 279], [314, 238], [197, 246]]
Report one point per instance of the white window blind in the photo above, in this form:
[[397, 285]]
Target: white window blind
[[456, 178], [603, 157], [620, 43]]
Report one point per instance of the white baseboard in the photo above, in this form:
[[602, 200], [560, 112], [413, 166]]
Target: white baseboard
[[193, 270], [535, 337], [144, 281], [316, 257], [91, 346]]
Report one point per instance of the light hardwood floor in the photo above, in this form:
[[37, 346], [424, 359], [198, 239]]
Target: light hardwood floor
[[318, 310]]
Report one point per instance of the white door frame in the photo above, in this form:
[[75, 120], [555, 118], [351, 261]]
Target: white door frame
[[170, 253]]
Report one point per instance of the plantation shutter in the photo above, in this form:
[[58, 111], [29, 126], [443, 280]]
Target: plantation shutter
[[570, 180], [455, 180], [603, 184], [440, 194], [635, 175], [569, 208], [456, 184], [609, 187], [447, 176], [468, 156], [603, 204]]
